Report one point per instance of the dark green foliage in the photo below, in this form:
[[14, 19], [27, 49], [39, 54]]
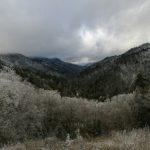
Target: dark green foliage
[[142, 110], [41, 79], [92, 128], [60, 132], [142, 102]]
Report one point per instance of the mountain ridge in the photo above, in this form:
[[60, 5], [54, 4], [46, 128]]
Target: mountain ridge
[[115, 75], [53, 65], [103, 79]]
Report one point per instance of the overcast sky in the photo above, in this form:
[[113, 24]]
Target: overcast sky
[[73, 30]]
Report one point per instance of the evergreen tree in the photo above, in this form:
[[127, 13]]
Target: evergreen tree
[[142, 102]]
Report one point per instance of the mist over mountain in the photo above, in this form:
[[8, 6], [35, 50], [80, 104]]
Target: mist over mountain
[[54, 67], [115, 75], [103, 79], [74, 75], [50, 101]]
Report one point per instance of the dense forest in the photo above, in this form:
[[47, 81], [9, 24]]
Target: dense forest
[[101, 80], [29, 113]]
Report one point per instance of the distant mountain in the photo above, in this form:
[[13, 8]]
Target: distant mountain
[[54, 67], [61, 67], [104, 79], [42, 72]]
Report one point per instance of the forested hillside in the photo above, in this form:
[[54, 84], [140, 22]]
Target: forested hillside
[[113, 75], [31, 113], [101, 80]]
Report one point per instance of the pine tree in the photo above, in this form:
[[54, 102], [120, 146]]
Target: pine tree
[[142, 102]]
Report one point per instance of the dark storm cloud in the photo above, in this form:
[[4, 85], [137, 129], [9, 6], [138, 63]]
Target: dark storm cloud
[[81, 30]]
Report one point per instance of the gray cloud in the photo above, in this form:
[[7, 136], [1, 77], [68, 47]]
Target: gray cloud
[[78, 30]]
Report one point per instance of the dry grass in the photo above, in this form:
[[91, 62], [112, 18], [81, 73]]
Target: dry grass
[[134, 140]]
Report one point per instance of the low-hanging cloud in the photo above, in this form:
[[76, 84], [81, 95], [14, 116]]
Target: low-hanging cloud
[[73, 30]]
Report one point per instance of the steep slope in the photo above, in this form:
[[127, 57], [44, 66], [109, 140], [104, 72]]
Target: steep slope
[[59, 66], [54, 67], [114, 75], [42, 72], [104, 79]]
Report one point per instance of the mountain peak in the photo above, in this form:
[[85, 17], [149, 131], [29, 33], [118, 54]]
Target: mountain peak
[[145, 45], [139, 49], [12, 55]]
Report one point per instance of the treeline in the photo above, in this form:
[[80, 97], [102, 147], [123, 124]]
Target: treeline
[[29, 113]]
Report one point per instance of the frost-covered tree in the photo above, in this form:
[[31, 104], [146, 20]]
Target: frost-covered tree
[[28, 112]]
